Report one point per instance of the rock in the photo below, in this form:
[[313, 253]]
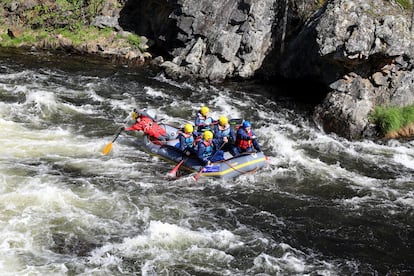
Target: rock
[[196, 52], [173, 70], [12, 6], [158, 60], [345, 110], [213, 69], [106, 22], [226, 45], [402, 87], [234, 35], [379, 79], [134, 55], [123, 33]]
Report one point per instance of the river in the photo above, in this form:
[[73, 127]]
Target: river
[[323, 206]]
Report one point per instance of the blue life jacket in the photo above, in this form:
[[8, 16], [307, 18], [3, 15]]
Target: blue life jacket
[[209, 120], [224, 133], [189, 141], [204, 124], [208, 150]]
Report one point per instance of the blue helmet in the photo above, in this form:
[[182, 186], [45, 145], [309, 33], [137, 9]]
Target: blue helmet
[[246, 124]]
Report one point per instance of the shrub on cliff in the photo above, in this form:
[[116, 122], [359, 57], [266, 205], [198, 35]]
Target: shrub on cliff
[[59, 13], [392, 119]]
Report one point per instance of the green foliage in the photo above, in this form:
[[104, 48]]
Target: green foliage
[[134, 40], [64, 13], [95, 7], [6, 2], [67, 19], [26, 38], [81, 35], [405, 4], [392, 118]]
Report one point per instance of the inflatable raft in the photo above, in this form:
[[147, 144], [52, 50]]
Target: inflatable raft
[[229, 168]]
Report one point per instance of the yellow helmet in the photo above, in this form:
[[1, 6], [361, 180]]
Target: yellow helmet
[[223, 120], [207, 135], [134, 115], [188, 128], [204, 110]]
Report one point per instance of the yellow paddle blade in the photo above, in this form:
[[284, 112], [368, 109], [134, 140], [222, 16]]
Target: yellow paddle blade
[[107, 148]]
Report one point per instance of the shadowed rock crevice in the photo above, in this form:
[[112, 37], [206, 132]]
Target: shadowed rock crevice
[[152, 20]]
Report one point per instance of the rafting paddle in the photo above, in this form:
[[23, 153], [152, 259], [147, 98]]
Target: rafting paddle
[[173, 172], [109, 146]]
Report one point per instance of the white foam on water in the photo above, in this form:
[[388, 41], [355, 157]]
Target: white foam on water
[[185, 85], [149, 91], [56, 185], [223, 106], [291, 261], [405, 160], [164, 243], [29, 212], [406, 199], [34, 143], [37, 210]]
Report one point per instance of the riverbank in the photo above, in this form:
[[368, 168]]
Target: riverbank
[[119, 47], [39, 26]]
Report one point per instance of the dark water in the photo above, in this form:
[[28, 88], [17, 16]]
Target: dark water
[[324, 206]]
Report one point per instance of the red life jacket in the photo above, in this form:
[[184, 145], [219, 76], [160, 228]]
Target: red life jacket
[[149, 127], [244, 144]]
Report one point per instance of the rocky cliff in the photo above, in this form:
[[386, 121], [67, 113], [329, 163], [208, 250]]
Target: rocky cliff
[[360, 50], [364, 54]]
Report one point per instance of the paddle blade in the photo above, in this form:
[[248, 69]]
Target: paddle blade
[[173, 172], [107, 148], [198, 174]]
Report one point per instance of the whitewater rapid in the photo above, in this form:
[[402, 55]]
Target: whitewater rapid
[[324, 205]]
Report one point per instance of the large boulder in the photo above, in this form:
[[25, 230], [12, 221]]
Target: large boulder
[[362, 50], [209, 39]]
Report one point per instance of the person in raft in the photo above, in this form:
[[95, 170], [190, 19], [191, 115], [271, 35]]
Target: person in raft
[[186, 140], [225, 135], [145, 121], [207, 150], [203, 121], [246, 140]]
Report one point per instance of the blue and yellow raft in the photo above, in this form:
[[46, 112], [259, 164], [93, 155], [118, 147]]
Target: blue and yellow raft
[[229, 168]]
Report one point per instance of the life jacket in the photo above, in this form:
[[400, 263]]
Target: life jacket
[[204, 123], [244, 144], [225, 132], [208, 151], [151, 128], [189, 140]]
